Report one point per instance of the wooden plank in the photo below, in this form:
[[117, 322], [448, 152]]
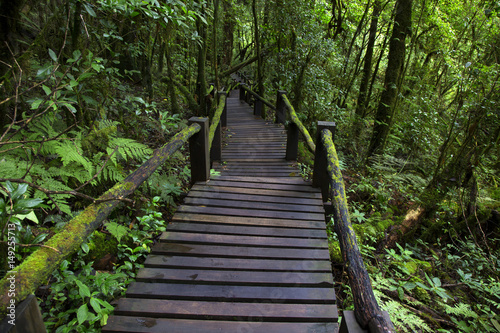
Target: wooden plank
[[266, 312], [248, 221], [247, 278], [210, 292], [299, 181], [248, 324], [251, 213], [254, 198], [262, 185], [228, 229], [242, 190], [276, 265], [239, 240], [196, 250], [210, 202]]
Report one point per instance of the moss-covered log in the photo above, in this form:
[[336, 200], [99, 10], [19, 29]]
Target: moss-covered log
[[302, 129], [36, 269], [367, 310], [216, 119]]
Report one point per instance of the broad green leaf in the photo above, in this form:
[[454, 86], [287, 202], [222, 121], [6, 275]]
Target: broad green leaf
[[36, 104], [53, 55], [47, 90], [82, 313], [30, 216], [95, 305], [89, 10], [83, 289], [85, 247]]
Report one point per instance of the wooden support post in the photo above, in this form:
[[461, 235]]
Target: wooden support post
[[26, 318], [242, 92], [292, 142], [280, 108], [320, 173], [199, 151], [257, 107]]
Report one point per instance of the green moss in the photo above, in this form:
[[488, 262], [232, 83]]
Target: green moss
[[102, 244], [335, 253]]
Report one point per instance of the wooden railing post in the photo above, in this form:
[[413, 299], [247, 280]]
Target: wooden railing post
[[27, 318], [320, 173], [257, 108], [292, 142], [280, 108], [242, 91], [199, 151], [216, 149]]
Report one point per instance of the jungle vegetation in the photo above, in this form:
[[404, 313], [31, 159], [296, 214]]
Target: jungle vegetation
[[89, 88]]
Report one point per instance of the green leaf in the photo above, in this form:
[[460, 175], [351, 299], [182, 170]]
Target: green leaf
[[36, 103], [89, 10], [47, 90], [85, 248], [82, 313], [95, 305], [83, 289], [53, 55], [30, 216], [19, 191]]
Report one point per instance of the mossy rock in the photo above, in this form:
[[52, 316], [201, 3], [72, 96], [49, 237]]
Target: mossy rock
[[102, 244], [335, 253]]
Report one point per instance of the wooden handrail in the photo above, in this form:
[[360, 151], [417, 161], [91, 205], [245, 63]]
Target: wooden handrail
[[37, 268], [295, 119], [366, 309], [216, 120], [219, 120], [257, 96]]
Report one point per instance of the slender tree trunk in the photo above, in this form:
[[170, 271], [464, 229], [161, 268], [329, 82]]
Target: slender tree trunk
[[228, 33], [215, 59], [260, 80], [201, 82], [397, 46]]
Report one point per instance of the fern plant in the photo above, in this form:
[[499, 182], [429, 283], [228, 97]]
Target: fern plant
[[46, 154]]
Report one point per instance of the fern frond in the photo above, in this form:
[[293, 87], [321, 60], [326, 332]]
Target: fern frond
[[12, 167], [59, 200], [130, 149], [460, 310], [70, 152]]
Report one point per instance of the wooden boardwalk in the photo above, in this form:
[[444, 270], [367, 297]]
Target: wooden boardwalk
[[246, 252]]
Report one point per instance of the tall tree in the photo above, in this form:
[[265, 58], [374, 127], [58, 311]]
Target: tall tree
[[260, 80], [386, 108]]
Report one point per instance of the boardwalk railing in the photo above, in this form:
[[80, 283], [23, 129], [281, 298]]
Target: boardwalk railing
[[328, 177], [246, 95], [37, 268]]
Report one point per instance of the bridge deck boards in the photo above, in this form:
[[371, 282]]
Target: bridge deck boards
[[246, 252]]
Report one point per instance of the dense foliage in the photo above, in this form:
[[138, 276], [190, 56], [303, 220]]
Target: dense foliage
[[88, 88]]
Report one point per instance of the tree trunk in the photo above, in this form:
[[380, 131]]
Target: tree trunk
[[201, 82], [386, 110], [228, 33], [215, 57], [367, 68], [260, 80]]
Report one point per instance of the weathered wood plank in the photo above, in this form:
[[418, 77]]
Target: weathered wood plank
[[161, 261], [240, 252], [248, 324], [251, 198], [252, 213], [249, 221], [247, 278], [209, 202], [238, 240], [210, 292], [265, 312], [262, 185]]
